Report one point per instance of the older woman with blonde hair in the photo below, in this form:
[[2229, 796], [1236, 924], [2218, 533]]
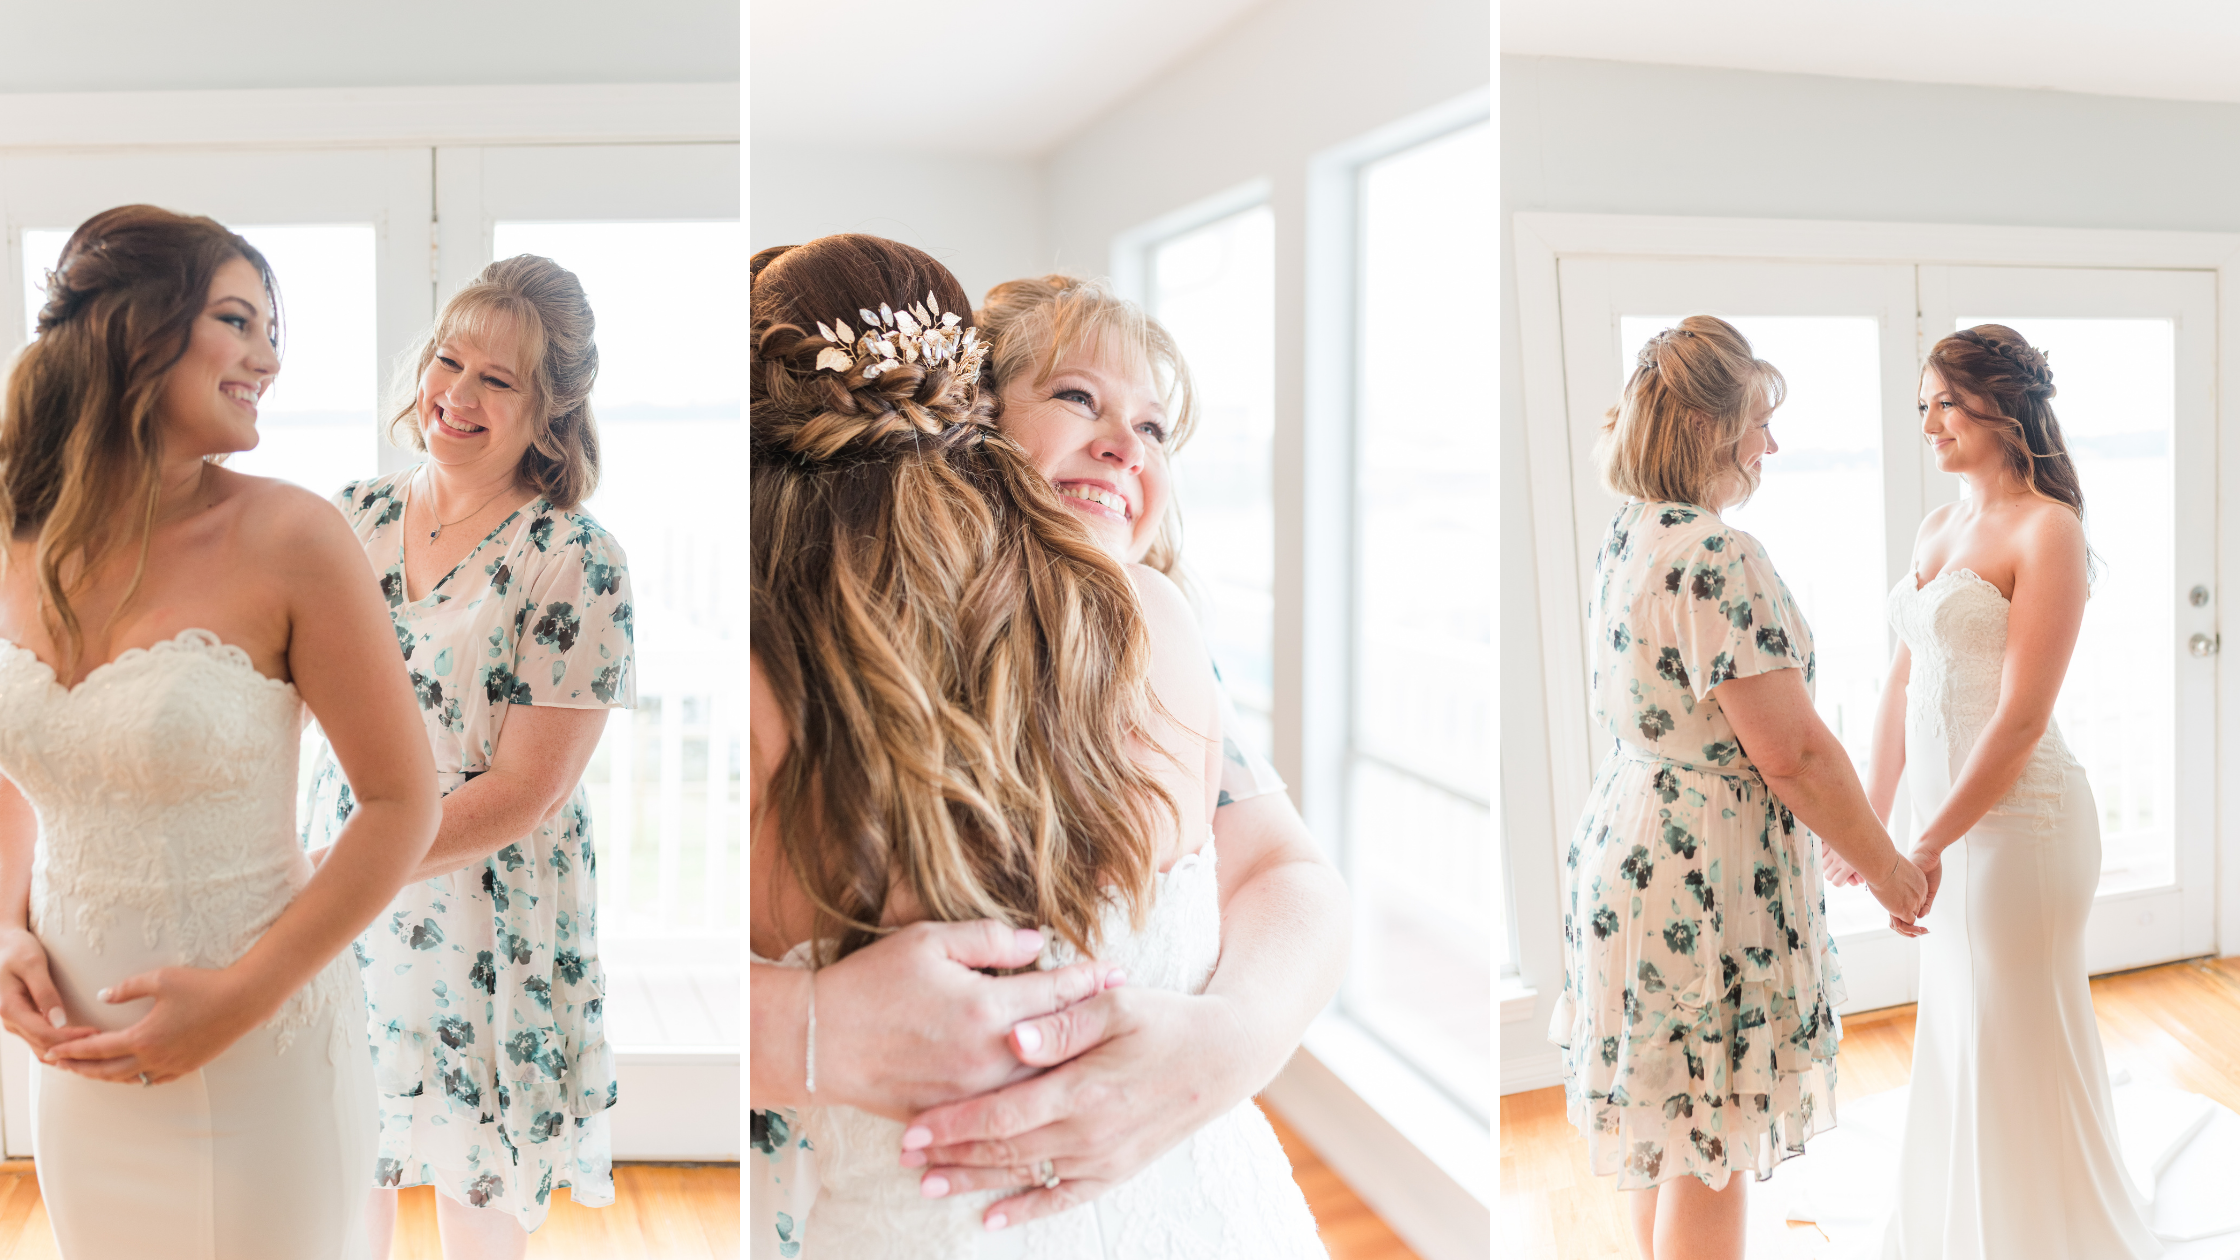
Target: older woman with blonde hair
[[512, 611], [1698, 1016]]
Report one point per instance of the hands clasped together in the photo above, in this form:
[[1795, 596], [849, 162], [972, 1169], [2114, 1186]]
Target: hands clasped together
[[1906, 890], [1068, 1076], [195, 1014]]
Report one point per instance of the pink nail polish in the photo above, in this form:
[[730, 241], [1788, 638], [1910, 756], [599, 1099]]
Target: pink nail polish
[[997, 1222], [934, 1187], [1030, 1038], [917, 1138], [1028, 938], [1115, 978]]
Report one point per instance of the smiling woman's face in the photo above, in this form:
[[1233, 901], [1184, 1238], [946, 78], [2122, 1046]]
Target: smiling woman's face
[[1097, 428], [209, 404], [474, 400]]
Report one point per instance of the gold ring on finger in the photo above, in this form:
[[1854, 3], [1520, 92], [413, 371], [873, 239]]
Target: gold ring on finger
[[1046, 1172]]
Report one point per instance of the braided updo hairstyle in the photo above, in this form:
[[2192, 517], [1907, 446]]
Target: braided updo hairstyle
[[964, 671], [1674, 436], [80, 437], [2003, 383]]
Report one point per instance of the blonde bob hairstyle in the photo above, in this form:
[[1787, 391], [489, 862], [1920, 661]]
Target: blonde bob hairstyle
[[543, 302], [1675, 433], [1032, 325]]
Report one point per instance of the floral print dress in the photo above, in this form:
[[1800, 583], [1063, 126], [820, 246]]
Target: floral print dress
[[1698, 1016], [781, 1171], [483, 987]]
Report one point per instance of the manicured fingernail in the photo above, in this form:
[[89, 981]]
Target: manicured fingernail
[[1028, 938], [1030, 1038], [101, 995], [998, 1221], [913, 1159], [1114, 978], [57, 1018], [917, 1138], [934, 1186]]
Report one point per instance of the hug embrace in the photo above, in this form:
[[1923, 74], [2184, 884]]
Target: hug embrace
[[1698, 1022], [1029, 926]]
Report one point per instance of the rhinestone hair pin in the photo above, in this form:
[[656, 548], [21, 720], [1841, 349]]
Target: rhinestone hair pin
[[922, 334]]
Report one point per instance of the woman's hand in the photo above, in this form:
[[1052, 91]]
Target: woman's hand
[[1903, 890], [1839, 873], [1931, 862], [29, 1004], [953, 1043], [197, 1013], [1152, 1067]]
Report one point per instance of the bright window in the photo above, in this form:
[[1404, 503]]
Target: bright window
[[1419, 843], [1213, 289]]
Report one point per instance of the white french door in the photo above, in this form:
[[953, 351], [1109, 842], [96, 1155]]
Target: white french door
[[2133, 352]]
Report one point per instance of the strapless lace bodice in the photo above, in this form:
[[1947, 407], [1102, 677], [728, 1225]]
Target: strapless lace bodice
[[1225, 1193], [1955, 627], [164, 785]]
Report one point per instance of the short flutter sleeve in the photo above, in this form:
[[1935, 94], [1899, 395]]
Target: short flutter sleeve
[[1731, 615], [575, 631]]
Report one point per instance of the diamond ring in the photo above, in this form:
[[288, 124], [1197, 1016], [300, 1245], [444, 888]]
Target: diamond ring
[[1046, 1171], [144, 1079]]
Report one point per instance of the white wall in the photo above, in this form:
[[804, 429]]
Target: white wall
[[1618, 138], [980, 216], [149, 45]]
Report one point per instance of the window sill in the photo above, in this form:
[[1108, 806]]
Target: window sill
[[1419, 1160], [1518, 1000]]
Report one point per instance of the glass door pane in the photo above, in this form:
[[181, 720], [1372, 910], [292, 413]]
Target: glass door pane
[[317, 425], [665, 782], [1214, 289]]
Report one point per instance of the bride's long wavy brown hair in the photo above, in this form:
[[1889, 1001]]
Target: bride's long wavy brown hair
[[80, 440], [965, 671]]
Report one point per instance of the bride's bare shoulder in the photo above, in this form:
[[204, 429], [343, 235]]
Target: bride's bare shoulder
[[2048, 530]]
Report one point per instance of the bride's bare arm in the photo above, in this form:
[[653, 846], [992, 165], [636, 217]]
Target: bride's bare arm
[[2043, 617], [1888, 751], [342, 656]]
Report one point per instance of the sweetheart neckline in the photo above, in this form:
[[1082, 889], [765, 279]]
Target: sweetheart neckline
[[1920, 586], [192, 637]]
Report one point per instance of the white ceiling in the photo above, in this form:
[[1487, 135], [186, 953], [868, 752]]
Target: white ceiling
[[994, 77], [2174, 49]]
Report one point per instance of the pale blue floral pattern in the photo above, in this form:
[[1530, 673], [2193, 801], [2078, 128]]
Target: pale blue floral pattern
[[1698, 1014], [484, 987]]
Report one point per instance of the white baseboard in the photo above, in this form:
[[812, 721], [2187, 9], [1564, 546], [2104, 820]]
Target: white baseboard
[[1536, 1070], [676, 1105], [1418, 1161]]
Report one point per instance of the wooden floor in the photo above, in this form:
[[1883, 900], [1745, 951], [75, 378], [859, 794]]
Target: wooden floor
[[660, 1212], [1349, 1229], [2176, 1025], [691, 1212]]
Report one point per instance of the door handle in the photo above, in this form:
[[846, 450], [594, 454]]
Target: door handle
[[2205, 645]]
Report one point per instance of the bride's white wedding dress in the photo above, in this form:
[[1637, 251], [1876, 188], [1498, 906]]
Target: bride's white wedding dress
[[2012, 1142], [1225, 1193], [165, 789]]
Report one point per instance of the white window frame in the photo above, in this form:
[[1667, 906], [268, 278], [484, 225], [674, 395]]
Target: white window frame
[[1540, 242]]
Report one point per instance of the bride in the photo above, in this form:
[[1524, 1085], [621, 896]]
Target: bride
[[165, 947], [964, 708], [2010, 1145]]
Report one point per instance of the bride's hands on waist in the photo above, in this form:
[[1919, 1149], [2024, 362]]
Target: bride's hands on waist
[[198, 1012], [29, 1004], [1158, 1067]]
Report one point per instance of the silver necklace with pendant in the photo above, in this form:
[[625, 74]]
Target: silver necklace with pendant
[[442, 524]]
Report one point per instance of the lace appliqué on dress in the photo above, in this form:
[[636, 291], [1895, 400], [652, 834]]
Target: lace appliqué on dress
[[165, 788]]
